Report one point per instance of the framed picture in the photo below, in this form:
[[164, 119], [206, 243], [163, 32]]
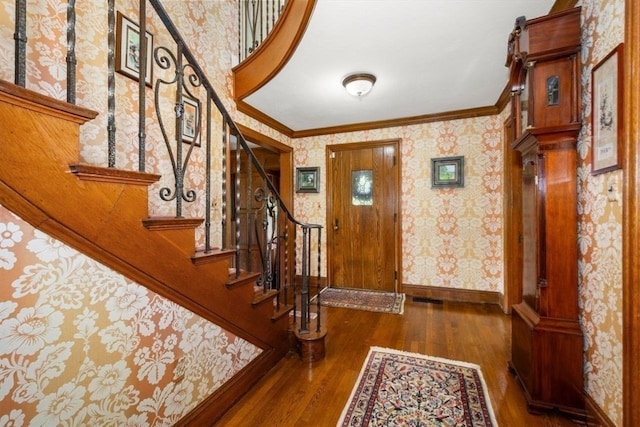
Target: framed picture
[[191, 121], [307, 180], [128, 49], [606, 115], [447, 172]]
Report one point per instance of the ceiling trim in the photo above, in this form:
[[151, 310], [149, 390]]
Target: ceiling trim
[[405, 121], [254, 113], [354, 127]]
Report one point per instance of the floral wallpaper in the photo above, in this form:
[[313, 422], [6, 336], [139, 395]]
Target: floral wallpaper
[[450, 237], [457, 230], [81, 344], [107, 351], [600, 227], [211, 29]]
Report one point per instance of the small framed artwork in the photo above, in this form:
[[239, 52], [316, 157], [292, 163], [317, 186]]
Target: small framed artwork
[[128, 49], [307, 180], [606, 115], [191, 121], [447, 172]]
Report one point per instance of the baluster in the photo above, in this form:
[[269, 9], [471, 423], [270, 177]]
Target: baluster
[[226, 137], [207, 204], [304, 291], [237, 207], [111, 86], [142, 81], [71, 52], [179, 108], [318, 320], [250, 214], [20, 37]]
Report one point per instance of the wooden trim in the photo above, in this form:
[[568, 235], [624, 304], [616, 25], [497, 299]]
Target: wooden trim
[[171, 223], [631, 218], [215, 405], [451, 294], [100, 174], [19, 96], [152, 259], [254, 113], [263, 140], [406, 121], [595, 415], [512, 208], [275, 51]]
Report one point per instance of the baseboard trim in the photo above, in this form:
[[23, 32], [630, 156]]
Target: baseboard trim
[[451, 294], [595, 415], [218, 403]]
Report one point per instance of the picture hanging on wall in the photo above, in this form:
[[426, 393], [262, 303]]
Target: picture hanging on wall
[[606, 116], [447, 172], [128, 49], [307, 180]]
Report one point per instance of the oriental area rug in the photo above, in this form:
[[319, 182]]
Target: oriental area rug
[[358, 299], [396, 388]]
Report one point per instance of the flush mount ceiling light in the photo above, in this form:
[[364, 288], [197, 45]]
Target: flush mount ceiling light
[[359, 84]]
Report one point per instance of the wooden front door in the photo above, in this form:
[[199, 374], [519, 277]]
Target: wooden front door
[[363, 221]]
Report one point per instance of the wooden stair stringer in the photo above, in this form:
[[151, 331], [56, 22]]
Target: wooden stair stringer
[[111, 231]]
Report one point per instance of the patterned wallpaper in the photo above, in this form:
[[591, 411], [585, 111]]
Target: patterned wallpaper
[[459, 231], [600, 227], [108, 351], [82, 345], [450, 237]]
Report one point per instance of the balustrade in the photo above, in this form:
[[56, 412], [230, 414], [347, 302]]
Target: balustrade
[[185, 114]]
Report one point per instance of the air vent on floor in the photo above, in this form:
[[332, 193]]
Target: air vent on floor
[[427, 300]]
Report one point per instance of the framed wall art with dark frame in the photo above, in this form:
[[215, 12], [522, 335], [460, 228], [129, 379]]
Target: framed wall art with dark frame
[[128, 49], [447, 172], [308, 180], [191, 121], [607, 113]]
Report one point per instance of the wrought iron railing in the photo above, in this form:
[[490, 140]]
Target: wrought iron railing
[[257, 19], [187, 109]]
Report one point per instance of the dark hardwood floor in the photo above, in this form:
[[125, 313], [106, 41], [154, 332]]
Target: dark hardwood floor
[[297, 393]]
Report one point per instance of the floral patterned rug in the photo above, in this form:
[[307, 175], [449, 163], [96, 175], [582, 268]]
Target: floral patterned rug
[[386, 302], [396, 388]]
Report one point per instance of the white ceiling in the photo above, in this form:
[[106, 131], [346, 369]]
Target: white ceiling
[[429, 57]]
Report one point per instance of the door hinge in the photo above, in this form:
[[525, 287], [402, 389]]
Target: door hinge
[[395, 275], [332, 155]]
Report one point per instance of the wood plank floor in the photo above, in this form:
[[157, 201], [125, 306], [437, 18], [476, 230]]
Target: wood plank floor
[[297, 393]]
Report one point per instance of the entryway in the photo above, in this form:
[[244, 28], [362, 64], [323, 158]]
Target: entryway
[[363, 215]]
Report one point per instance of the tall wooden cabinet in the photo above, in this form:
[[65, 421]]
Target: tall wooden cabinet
[[547, 342]]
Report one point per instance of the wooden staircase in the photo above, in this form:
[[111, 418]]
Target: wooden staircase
[[103, 213]]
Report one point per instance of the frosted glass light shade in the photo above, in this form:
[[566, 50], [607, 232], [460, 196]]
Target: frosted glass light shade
[[359, 84]]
